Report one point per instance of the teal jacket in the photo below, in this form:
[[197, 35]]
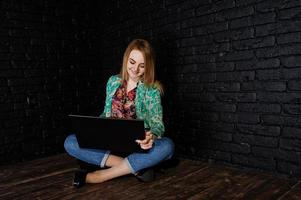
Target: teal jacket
[[147, 103]]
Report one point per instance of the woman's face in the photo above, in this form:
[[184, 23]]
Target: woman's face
[[135, 65]]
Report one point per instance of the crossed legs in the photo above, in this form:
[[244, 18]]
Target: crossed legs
[[162, 150], [118, 167]]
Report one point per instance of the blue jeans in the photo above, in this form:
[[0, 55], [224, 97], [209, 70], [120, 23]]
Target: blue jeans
[[162, 149]]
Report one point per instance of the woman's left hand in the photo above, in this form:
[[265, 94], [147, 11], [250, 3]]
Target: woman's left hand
[[147, 143]]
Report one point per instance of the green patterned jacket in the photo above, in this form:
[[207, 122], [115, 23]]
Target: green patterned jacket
[[147, 103]]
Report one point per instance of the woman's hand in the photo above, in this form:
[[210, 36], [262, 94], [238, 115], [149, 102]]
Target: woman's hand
[[147, 143]]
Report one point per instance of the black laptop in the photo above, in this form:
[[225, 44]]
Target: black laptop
[[116, 135]]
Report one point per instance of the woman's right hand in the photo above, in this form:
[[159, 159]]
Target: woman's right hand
[[147, 143]]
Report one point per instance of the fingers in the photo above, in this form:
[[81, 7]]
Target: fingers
[[147, 143], [147, 146]]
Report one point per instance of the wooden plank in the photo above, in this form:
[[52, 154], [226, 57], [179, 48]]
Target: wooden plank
[[293, 194], [51, 178], [159, 188], [244, 185], [129, 188], [23, 172], [272, 188], [29, 190]]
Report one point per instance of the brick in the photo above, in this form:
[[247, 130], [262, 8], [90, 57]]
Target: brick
[[198, 59], [197, 21], [266, 29], [292, 26], [291, 132], [222, 36], [289, 38], [219, 107], [245, 2], [234, 13], [206, 67], [281, 97], [293, 109], [268, 63], [256, 140], [11, 73], [236, 97], [211, 28], [289, 168], [279, 154], [251, 161], [209, 116], [225, 66], [291, 13], [220, 126], [291, 61], [265, 18], [257, 129], [281, 120], [254, 43], [241, 22], [272, 120], [223, 87], [4, 65], [226, 137], [243, 148], [239, 55], [235, 76], [269, 5], [240, 34], [269, 74], [216, 6], [276, 86], [291, 144], [268, 52], [207, 77], [293, 73], [219, 155], [246, 118], [259, 108], [289, 50], [264, 151], [294, 85]]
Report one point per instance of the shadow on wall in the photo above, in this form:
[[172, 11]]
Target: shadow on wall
[[182, 121]]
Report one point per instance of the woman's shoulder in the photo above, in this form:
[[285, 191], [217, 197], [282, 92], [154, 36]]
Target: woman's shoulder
[[114, 78], [156, 88], [153, 90]]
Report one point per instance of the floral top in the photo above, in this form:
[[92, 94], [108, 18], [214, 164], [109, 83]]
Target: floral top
[[123, 103], [147, 104]]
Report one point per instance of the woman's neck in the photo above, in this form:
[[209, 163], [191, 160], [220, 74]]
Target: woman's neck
[[131, 84]]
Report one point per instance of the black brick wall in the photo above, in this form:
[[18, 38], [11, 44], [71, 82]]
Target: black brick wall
[[231, 69], [48, 51], [232, 72]]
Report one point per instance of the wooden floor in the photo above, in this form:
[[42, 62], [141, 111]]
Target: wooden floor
[[50, 178]]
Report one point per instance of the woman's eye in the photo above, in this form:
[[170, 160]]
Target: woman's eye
[[142, 66], [132, 62]]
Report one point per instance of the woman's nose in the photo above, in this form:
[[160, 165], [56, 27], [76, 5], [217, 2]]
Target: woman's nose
[[136, 68]]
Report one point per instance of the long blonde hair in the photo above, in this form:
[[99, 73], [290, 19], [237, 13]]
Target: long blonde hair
[[149, 63]]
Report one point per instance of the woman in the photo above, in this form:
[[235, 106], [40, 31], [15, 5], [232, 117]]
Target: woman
[[132, 94]]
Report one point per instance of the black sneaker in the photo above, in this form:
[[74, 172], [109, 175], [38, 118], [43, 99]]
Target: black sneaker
[[79, 179], [146, 175]]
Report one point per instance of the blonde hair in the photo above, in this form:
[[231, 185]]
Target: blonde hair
[[149, 63]]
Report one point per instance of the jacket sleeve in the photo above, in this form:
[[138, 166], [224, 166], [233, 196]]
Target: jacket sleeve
[[107, 107], [155, 113]]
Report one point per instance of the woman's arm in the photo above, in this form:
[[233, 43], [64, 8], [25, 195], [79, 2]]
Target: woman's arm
[[155, 112], [112, 84]]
